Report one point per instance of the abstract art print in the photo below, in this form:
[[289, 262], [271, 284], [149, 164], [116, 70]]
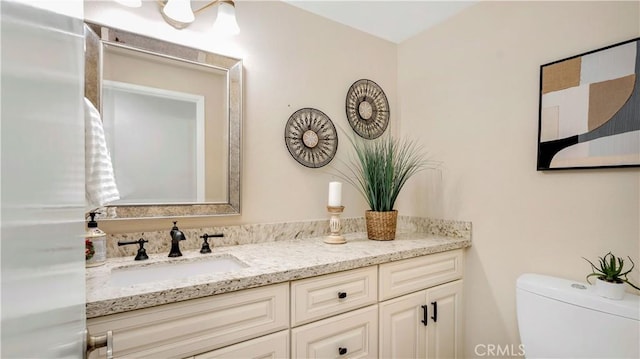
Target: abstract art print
[[589, 115]]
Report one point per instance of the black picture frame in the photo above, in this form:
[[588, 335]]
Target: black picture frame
[[589, 109]]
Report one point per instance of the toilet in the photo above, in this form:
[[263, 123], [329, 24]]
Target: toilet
[[560, 318]]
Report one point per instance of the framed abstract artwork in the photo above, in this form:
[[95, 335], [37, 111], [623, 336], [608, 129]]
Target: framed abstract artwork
[[589, 112]]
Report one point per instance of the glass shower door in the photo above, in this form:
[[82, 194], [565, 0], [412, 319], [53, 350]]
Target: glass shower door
[[42, 283]]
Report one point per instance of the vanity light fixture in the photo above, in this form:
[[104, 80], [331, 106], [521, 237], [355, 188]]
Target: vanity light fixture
[[130, 3], [178, 13]]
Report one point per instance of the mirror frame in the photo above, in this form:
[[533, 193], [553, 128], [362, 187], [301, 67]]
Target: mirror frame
[[96, 37]]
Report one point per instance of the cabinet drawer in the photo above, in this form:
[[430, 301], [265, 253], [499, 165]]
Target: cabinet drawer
[[354, 333], [324, 296], [196, 326], [410, 275], [270, 346]]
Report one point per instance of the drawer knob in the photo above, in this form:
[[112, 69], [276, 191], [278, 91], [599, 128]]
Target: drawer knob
[[342, 295], [342, 351]]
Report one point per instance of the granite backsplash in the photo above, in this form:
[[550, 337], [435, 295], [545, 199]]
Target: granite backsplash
[[159, 241]]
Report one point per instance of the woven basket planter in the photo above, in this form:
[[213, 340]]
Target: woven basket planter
[[381, 226]]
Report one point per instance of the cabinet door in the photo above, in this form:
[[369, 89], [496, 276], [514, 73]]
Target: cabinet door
[[444, 333], [268, 347], [350, 335], [402, 332]]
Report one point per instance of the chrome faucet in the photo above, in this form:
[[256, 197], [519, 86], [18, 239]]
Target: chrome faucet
[[176, 237]]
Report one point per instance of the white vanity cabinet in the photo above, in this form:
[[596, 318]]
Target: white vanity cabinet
[[426, 323], [379, 311]]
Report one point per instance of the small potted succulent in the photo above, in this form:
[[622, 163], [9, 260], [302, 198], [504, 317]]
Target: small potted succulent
[[611, 276]]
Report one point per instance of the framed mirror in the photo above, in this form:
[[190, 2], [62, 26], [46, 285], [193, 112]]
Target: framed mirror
[[172, 120]]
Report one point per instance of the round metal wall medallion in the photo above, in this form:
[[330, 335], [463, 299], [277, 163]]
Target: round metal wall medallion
[[311, 137], [367, 109]]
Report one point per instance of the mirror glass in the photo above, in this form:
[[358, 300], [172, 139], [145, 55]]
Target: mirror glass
[[172, 122]]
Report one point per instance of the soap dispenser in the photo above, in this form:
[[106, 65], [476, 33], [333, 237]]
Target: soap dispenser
[[95, 241]]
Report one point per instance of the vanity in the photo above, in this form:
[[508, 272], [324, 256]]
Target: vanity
[[291, 299]]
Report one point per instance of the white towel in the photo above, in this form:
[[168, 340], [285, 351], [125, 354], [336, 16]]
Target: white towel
[[100, 181]]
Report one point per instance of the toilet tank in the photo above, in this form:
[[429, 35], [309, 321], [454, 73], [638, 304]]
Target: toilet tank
[[560, 318]]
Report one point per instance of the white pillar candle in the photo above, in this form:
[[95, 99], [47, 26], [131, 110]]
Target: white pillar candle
[[335, 194]]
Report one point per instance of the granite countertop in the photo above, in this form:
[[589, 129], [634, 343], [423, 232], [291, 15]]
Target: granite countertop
[[267, 263]]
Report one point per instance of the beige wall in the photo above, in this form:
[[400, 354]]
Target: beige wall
[[469, 88], [292, 59]]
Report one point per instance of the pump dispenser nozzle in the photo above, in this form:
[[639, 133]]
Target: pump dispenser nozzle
[[95, 243], [92, 222]]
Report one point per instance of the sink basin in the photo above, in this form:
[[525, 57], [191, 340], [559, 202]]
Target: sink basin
[[174, 269]]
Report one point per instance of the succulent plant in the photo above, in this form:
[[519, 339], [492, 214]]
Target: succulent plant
[[611, 269]]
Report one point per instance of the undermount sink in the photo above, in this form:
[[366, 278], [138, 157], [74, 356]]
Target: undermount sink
[[174, 269]]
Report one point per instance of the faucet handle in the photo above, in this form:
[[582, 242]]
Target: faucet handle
[[205, 245], [142, 253]]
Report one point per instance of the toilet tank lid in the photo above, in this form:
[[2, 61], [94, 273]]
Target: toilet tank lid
[[579, 294]]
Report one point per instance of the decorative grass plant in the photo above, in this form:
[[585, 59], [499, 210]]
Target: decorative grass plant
[[611, 269], [380, 168]]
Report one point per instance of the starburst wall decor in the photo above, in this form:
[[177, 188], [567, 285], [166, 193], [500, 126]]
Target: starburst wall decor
[[311, 137], [367, 109]]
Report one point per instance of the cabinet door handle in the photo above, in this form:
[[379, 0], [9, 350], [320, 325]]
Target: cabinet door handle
[[342, 351], [94, 342], [425, 316], [435, 312], [109, 345], [342, 295]]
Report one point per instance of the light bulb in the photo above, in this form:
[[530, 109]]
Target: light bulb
[[179, 10], [226, 21]]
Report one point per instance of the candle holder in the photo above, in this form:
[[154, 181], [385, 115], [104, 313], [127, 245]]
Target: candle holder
[[334, 225]]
